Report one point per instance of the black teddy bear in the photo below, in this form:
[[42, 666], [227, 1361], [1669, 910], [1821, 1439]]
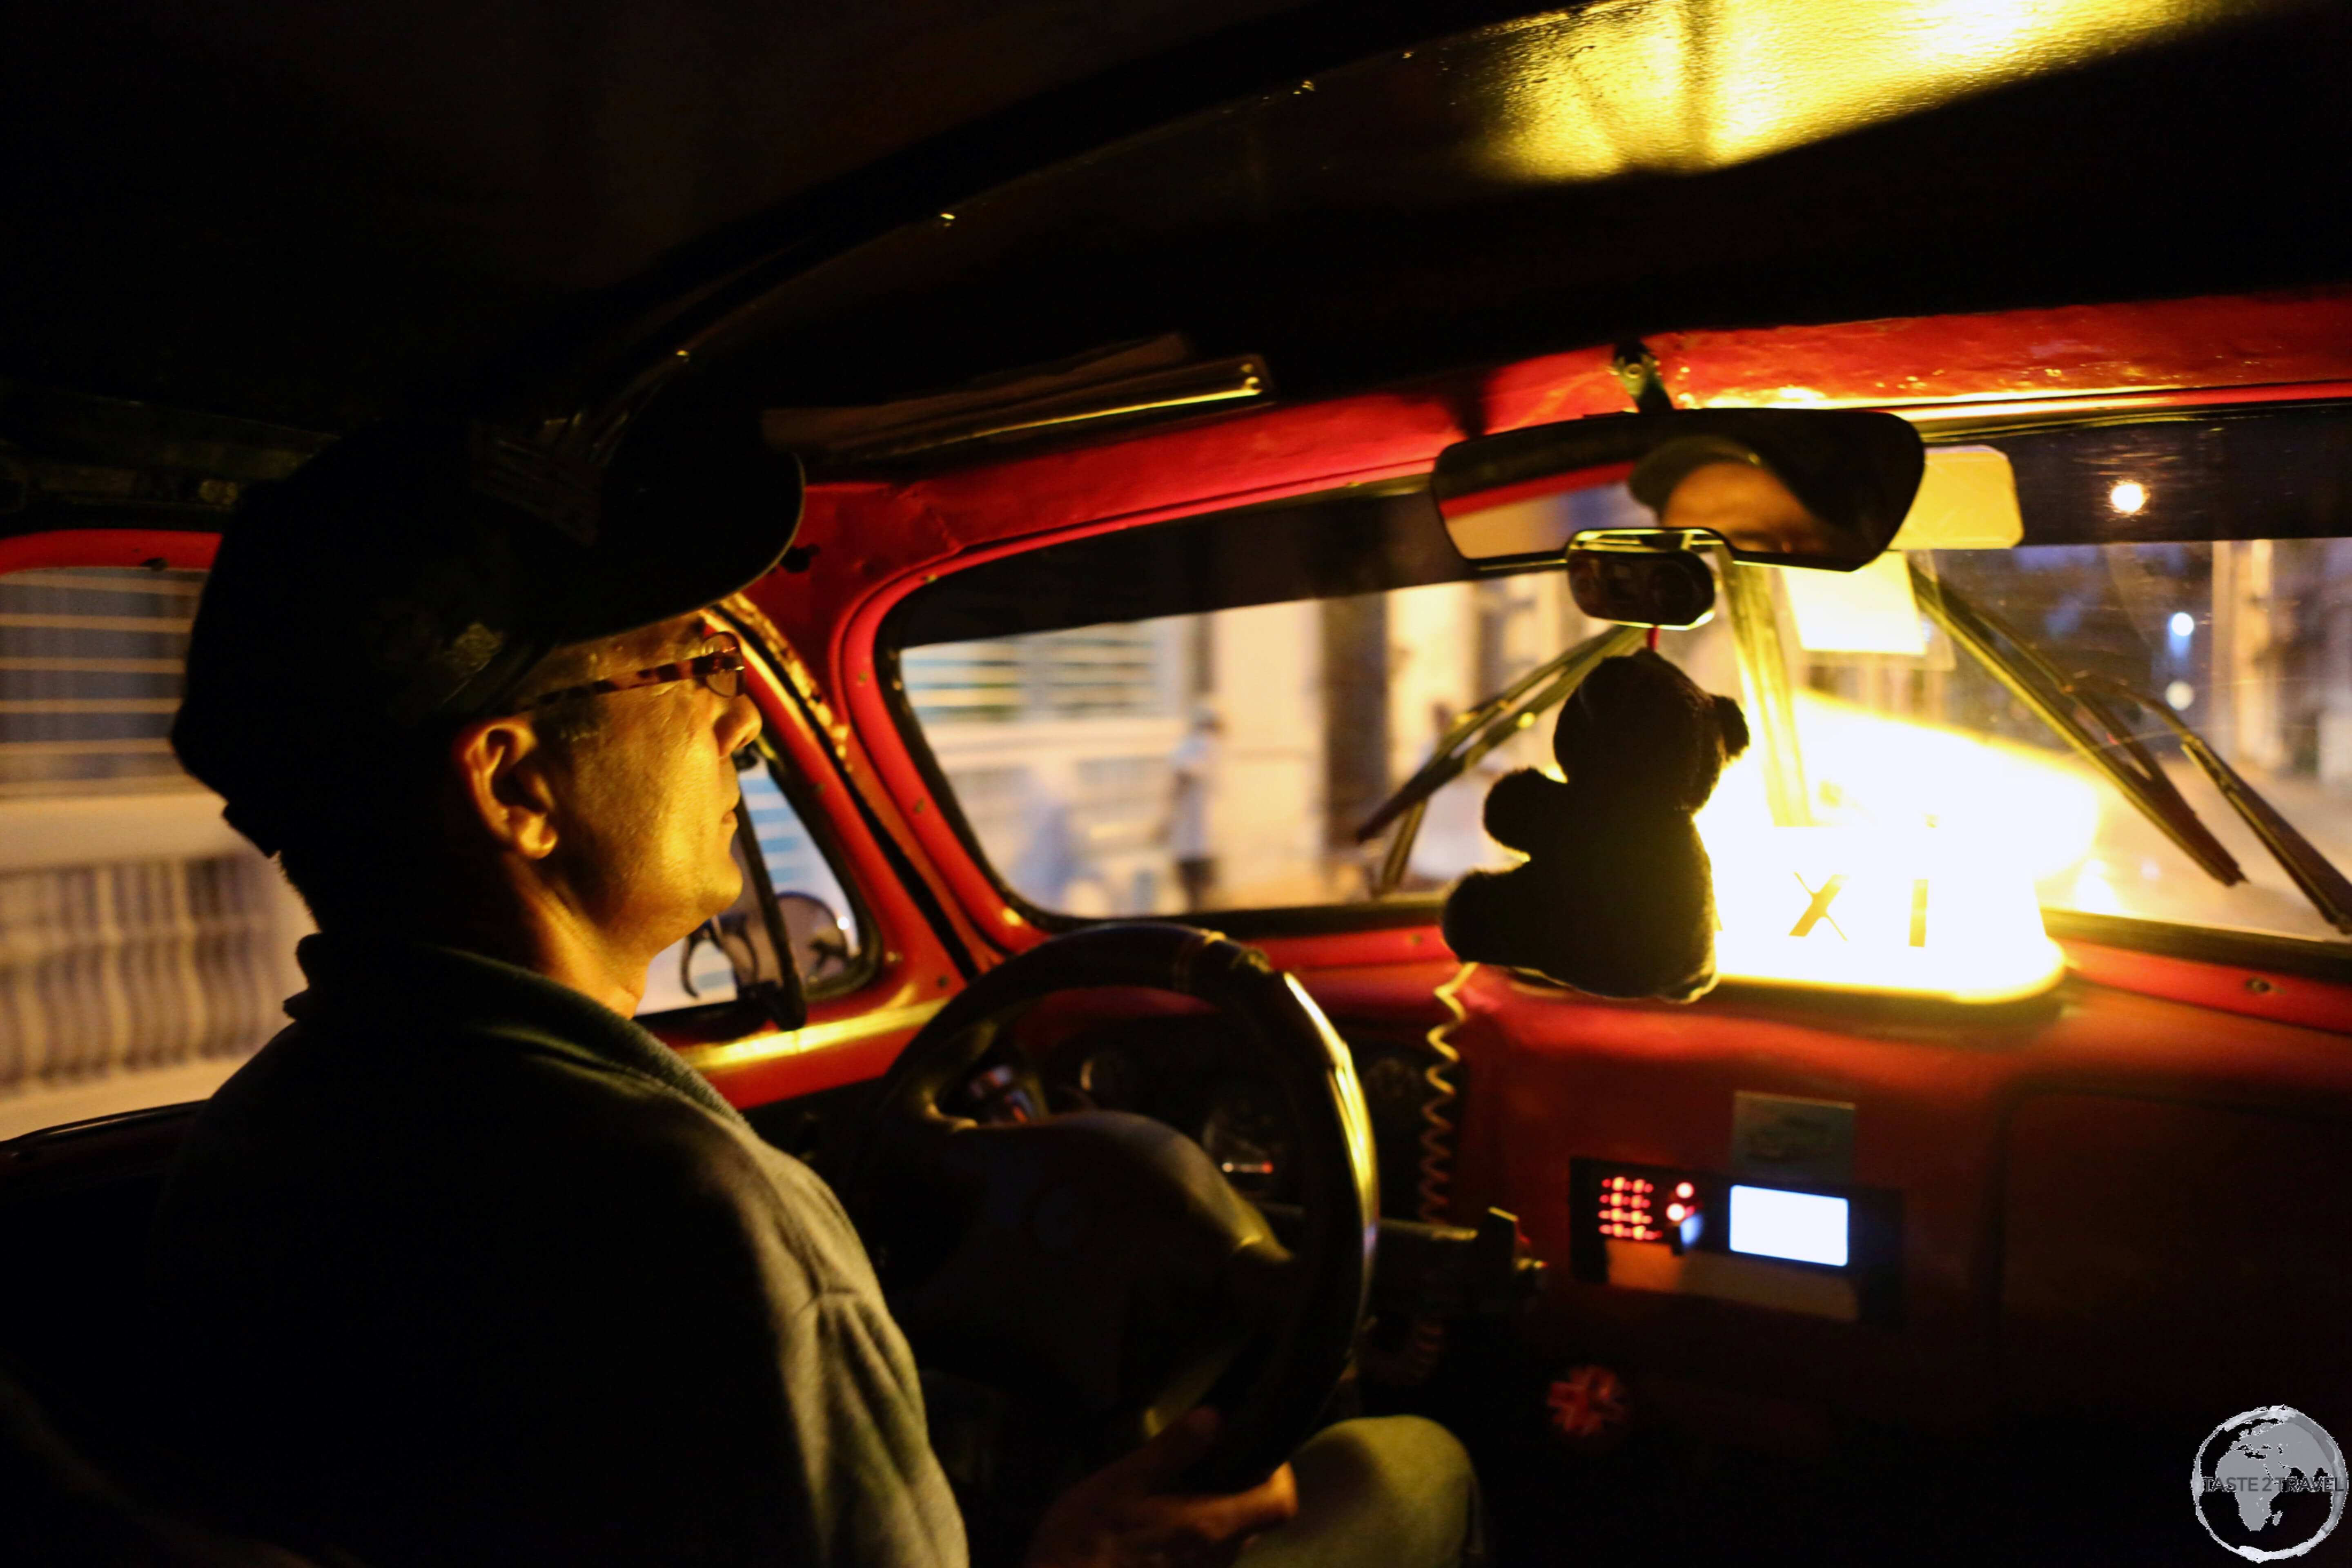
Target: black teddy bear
[[1616, 898]]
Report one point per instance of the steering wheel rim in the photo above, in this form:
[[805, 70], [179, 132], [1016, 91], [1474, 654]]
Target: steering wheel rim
[[1270, 1400]]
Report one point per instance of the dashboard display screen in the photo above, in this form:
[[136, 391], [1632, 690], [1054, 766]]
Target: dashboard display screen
[[1804, 1227]]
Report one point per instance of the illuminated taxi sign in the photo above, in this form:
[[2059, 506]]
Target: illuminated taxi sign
[[1861, 910]]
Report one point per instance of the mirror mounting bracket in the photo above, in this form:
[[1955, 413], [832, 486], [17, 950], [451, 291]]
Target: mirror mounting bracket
[[1636, 370]]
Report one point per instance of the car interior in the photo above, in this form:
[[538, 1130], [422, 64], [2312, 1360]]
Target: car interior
[[1210, 499]]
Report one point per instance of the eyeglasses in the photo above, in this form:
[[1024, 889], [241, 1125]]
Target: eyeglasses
[[720, 667]]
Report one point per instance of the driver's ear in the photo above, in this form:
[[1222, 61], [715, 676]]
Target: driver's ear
[[504, 769]]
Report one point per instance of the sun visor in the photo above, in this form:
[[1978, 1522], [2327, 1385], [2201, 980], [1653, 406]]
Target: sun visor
[[1967, 500]]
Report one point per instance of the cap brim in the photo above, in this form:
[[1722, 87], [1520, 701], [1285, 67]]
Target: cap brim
[[703, 532]]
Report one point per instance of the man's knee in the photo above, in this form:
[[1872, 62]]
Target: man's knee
[[1404, 1456], [1394, 1489]]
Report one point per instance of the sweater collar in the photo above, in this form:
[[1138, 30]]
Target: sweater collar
[[388, 981]]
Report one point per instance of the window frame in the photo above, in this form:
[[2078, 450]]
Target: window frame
[[1946, 425]]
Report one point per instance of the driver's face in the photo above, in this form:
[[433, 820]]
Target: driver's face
[[648, 797], [1745, 505]]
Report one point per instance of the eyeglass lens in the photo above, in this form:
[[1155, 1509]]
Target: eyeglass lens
[[725, 682]]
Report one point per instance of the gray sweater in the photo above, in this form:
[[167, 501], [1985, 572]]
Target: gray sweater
[[464, 1267]]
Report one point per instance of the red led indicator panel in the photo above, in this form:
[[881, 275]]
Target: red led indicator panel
[[1627, 1208]]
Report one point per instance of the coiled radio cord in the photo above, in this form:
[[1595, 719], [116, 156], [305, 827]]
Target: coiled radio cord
[[1424, 1340]]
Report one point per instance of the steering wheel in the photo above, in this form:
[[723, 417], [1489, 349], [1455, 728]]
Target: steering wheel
[[1094, 1270]]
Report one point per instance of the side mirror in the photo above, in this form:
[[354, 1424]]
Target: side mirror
[[818, 940], [1824, 488], [757, 937]]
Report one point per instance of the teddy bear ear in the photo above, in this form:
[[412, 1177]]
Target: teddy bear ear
[[1734, 724]]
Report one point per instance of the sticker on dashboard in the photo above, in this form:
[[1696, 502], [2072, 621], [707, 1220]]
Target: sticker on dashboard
[[1783, 1137]]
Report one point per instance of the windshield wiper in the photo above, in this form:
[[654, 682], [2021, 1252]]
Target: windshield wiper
[[1478, 731], [2078, 707], [2302, 861], [2060, 698], [2085, 722]]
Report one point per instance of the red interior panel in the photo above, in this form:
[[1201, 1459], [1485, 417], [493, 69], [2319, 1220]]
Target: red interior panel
[[1552, 1077], [108, 547], [2163, 1256]]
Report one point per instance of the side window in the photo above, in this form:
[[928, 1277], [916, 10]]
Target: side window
[[817, 910], [146, 949], [145, 946]]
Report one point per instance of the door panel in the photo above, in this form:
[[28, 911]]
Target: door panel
[[2163, 1257]]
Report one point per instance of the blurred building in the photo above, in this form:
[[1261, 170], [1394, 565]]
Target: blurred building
[[1058, 745], [145, 945]]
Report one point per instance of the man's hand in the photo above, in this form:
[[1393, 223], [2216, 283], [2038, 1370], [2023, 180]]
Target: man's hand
[[1120, 1517]]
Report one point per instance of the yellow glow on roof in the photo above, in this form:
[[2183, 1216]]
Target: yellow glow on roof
[[1683, 86]]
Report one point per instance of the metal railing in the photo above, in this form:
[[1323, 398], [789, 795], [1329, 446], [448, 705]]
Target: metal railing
[[90, 678], [140, 951], [132, 967]]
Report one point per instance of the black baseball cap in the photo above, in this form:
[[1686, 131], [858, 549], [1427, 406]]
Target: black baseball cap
[[409, 579]]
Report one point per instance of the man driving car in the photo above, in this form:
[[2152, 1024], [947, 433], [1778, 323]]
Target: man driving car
[[465, 1267]]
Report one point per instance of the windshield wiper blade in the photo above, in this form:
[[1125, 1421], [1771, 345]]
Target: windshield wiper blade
[[2311, 870], [1478, 731], [2064, 704], [2302, 861]]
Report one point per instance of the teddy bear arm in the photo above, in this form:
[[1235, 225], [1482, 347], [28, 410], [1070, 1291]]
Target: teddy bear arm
[[1524, 809]]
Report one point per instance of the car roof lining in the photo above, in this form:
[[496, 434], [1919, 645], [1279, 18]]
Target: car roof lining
[[1365, 229]]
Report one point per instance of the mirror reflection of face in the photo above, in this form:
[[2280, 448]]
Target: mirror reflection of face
[[819, 941], [1748, 507]]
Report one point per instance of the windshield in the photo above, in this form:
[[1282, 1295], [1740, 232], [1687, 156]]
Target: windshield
[[2241, 638], [1222, 757]]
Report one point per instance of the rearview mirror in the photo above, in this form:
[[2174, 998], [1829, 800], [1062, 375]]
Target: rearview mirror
[[1783, 487], [1641, 588]]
